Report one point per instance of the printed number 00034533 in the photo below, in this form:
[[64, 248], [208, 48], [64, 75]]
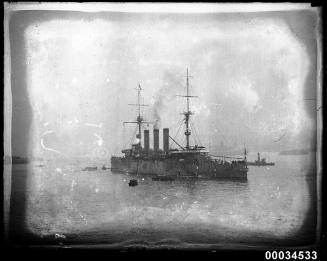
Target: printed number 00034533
[[291, 255]]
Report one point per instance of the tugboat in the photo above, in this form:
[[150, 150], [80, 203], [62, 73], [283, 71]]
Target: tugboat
[[260, 162], [186, 162]]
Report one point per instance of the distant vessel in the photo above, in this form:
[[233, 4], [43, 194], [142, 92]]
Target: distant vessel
[[260, 162], [16, 160], [20, 160], [90, 169], [163, 178], [104, 167], [294, 152], [186, 162]]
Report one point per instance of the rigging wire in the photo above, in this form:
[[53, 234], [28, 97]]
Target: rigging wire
[[196, 137], [131, 141], [193, 129], [193, 136], [126, 144], [196, 132], [170, 145], [176, 124], [181, 123], [124, 134]]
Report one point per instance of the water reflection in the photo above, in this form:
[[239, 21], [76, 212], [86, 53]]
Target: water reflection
[[62, 198]]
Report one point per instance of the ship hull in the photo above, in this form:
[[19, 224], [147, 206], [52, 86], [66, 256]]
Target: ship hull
[[178, 169], [260, 164]]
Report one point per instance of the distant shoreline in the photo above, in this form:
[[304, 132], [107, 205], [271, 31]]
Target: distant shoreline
[[294, 152]]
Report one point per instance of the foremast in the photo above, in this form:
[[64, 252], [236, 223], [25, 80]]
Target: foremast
[[187, 113], [139, 120]]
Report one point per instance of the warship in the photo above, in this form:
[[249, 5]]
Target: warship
[[188, 161]]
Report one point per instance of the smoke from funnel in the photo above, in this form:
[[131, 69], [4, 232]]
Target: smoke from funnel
[[172, 84], [157, 124]]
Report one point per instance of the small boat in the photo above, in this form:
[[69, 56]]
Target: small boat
[[133, 183], [163, 178], [90, 169]]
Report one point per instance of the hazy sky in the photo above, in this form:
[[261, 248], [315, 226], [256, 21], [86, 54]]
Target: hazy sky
[[251, 71]]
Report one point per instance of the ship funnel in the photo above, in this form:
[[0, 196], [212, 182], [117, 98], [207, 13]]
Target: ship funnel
[[166, 140], [146, 141], [156, 140]]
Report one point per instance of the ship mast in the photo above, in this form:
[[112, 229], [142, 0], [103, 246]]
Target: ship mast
[[139, 120], [188, 112]]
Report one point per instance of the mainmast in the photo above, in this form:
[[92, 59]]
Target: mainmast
[[188, 112], [139, 119]]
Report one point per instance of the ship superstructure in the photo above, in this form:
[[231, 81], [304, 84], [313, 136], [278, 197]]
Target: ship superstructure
[[185, 162]]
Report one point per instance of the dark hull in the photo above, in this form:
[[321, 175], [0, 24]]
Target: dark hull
[[176, 168], [90, 169], [260, 164]]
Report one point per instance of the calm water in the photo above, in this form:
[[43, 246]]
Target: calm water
[[98, 206]]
